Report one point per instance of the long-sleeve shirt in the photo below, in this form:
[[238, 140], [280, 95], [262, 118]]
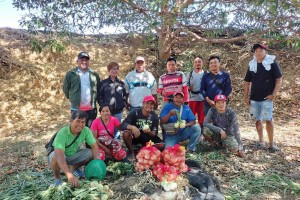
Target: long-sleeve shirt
[[211, 85], [226, 121]]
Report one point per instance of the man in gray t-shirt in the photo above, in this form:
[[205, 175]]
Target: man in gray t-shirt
[[221, 127]]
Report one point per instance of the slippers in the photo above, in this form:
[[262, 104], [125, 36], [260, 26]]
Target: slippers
[[57, 182], [78, 173]]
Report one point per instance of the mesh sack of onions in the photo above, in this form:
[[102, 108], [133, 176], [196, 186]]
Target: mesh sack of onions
[[164, 172], [147, 157], [175, 156]]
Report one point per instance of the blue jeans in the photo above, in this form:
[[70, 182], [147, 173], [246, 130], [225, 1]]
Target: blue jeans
[[191, 133], [119, 117]]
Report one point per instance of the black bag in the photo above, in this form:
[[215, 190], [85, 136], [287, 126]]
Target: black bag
[[49, 146]]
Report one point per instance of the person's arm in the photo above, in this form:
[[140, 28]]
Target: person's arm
[[228, 87], [160, 86], [61, 161], [95, 150], [100, 96], [236, 130], [185, 88], [246, 93], [66, 85], [208, 122], [165, 118], [276, 89], [128, 122]]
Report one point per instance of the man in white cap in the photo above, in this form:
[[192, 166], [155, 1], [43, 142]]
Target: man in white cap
[[264, 77], [139, 83], [80, 87]]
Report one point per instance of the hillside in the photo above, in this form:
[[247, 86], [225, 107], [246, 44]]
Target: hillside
[[33, 107]]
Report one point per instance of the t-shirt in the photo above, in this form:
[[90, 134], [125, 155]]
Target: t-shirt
[[171, 83], [263, 81], [136, 118], [186, 114], [139, 85], [98, 126], [194, 79], [65, 137]]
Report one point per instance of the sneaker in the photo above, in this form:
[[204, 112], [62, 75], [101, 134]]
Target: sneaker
[[260, 145], [57, 182], [274, 147], [78, 173]]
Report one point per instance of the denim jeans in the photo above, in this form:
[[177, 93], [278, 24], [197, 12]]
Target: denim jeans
[[191, 133], [119, 117]]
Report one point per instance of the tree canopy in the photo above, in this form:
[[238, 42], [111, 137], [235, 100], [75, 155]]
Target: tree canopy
[[171, 20]]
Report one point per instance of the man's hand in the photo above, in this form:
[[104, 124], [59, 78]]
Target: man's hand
[[241, 153], [271, 97], [73, 180], [223, 135], [210, 102], [172, 113], [247, 100]]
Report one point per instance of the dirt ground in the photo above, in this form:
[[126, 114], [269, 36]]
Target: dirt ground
[[32, 105]]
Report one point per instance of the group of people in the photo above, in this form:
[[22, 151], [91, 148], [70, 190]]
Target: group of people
[[200, 93]]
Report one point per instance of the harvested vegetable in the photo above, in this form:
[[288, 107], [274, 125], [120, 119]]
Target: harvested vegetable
[[165, 172], [120, 168], [147, 157], [175, 156]]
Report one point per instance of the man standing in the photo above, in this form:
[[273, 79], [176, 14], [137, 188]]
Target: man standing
[[66, 149], [196, 100], [214, 82], [264, 77], [80, 87], [141, 126], [171, 82], [139, 83], [190, 131]]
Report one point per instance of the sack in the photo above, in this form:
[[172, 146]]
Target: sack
[[49, 146]]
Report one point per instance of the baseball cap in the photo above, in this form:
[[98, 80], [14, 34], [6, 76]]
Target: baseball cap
[[83, 55], [149, 98], [179, 93], [255, 46], [139, 58], [220, 97]]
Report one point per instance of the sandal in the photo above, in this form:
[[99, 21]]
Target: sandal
[[57, 182], [78, 173]]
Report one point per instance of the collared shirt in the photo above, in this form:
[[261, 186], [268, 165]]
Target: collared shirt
[[85, 98]]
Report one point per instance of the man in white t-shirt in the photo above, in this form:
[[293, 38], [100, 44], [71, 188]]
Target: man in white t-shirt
[[196, 100], [139, 83]]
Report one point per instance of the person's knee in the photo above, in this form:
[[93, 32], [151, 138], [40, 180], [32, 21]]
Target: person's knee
[[269, 122]]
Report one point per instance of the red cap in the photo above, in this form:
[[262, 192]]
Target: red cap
[[149, 98], [220, 97], [178, 93], [255, 46]]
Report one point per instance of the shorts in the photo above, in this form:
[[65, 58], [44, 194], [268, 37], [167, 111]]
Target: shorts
[[144, 138], [262, 110], [80, 156], [230, 142]]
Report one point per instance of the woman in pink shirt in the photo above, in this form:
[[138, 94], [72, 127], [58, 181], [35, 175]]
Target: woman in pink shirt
[[103, 130]]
